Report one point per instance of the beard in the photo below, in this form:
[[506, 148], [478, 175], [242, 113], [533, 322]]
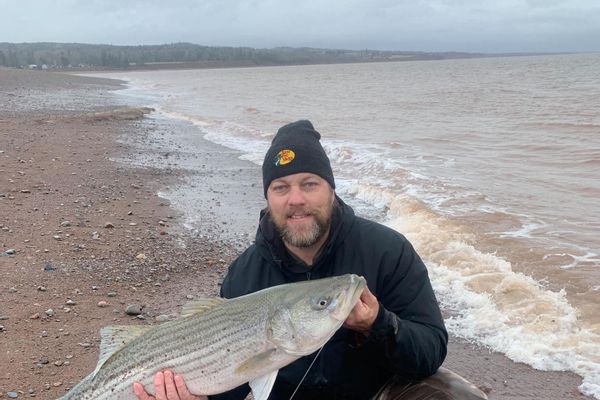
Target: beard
[[305, 235]]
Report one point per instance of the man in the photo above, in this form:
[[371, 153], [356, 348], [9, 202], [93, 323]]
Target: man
[[395, 333]]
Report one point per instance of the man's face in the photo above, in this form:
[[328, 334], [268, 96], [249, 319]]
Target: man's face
[[301, 206]]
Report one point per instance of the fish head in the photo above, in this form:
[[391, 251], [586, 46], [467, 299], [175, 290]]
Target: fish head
[[311, 312]]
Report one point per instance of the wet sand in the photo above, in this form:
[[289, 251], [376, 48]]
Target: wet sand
[[90, 236]]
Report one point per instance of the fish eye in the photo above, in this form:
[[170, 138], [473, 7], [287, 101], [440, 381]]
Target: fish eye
[[321, 303]]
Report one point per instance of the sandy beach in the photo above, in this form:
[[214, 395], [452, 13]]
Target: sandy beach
[[84, 238]]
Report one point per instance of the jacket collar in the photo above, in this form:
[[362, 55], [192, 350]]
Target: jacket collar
[[271, 245]]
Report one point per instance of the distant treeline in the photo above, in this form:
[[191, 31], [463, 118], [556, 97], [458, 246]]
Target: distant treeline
[[187, 55]]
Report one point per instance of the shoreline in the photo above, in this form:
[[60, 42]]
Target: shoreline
[[123, 244]]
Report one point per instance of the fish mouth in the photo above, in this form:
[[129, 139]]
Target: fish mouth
[[349, 297]]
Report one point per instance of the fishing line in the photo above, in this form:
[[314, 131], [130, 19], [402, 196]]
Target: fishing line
[[306, 373]]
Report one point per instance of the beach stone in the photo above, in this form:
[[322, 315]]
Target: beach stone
[[3, 317], [41, 288], [71, 302], [109, 225], [102, 304], [12, 290], [44, 360], [12, 395], [48, 267], [162, 318], [141, 256], [133, 309], [10, 252], [112, 294], [2, 328], [50, 312], [65, 223]]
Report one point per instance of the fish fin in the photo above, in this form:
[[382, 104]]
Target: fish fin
[[261, 386], [114, 338], [259, 361], [200, 306]]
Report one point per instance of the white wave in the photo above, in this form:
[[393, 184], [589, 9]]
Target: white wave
[[493, 305]]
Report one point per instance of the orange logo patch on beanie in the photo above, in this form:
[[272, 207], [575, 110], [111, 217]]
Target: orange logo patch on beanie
[[284, 157]]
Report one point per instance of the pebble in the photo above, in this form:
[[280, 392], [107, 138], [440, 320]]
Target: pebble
[[162, 318], [109, 225], [3, 317], [57, 237], [12, 290], [43, 360], [35, 316], [10, 252], [65, 223], [2, 328], [41, 288], [50, 312], [141, 256], [112, 294], [133, 309], [71, 302], [102, 304], [12, 395], [58, 363], [48, 267], [95, 235]]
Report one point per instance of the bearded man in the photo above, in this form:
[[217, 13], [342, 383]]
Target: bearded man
[[395, 336]]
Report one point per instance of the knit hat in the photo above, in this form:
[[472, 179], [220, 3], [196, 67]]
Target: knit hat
[[296, 148]]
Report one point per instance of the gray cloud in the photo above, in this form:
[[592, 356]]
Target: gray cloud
[[429, 25]]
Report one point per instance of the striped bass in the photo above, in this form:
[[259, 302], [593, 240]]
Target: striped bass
[[218, 344]]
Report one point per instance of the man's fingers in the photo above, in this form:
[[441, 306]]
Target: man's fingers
[[139, 391], [170, 386], [159, 386], [183, 391]]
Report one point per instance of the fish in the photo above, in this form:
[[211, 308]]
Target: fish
[[218, 344]]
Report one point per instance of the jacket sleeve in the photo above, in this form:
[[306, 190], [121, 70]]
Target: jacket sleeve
[[409, 326]]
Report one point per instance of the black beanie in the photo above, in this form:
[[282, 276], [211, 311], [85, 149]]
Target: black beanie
[[296, 148]]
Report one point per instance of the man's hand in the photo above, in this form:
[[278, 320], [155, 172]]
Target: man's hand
[[364, 313], [167, 386]]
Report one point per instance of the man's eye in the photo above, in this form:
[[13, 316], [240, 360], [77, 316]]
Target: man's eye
[[279, 188]]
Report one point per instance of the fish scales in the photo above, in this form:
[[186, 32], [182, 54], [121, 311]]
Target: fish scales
[[226, 344]]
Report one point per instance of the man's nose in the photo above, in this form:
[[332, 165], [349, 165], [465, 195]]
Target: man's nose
[[296, 196]]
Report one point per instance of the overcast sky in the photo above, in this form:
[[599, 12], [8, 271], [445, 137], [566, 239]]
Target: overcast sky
[[427, 25]]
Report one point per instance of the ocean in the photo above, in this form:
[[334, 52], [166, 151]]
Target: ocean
[[490, 166]]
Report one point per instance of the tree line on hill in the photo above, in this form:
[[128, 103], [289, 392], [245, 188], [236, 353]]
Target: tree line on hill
[[100, 56]]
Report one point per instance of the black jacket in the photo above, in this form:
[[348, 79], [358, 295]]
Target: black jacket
[[408, 337]]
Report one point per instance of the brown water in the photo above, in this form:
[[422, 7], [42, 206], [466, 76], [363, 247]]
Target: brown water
[[490, 166]]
